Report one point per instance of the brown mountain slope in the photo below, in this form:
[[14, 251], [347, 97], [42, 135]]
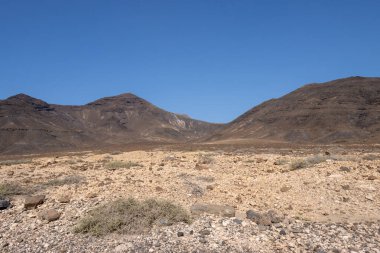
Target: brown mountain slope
[[31, 125], [341, 111]]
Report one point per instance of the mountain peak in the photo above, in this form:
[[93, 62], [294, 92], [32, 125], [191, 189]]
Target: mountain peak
[[124, 98], [24, 98]]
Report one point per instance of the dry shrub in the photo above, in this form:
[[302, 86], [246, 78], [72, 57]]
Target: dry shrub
[[307, 162], [10, 188], [130, 216], [15, 162], [371, 157], [68, 180], [205, 159], [114, 165]]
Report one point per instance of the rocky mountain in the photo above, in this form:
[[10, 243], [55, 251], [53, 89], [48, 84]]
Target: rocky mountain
[[341, 111], [31, 125]]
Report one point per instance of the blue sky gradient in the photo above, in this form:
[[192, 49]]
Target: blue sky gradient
[[212, 60]]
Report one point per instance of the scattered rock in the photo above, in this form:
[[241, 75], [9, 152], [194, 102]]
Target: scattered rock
[[10, 173], [204, 232], [49, 215], [275, 216], [210, 187], [64, 199], [159, 189], [285, 188], [180, 234], [92, 195], [221, 210], [344, 169], [371, 177], [4, 204], [31, 202], [252, 215], [265, 219]]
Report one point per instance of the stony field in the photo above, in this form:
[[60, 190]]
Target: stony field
[[326, 200]]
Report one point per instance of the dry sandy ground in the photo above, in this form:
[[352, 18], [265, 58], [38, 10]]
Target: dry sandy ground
[[341, 190]]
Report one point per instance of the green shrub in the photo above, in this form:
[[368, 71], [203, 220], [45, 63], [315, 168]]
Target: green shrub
[[130, 216]]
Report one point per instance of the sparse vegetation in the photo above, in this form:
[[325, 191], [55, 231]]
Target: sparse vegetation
[[307, 162], [281, 161], [371, 157], [208, 179], [205, 159], [114, 165], [10, 188], [15, 162], [130, 216], [68, 180]]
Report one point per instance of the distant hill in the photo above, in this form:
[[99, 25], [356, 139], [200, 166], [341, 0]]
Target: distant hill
[[30, 125], [341, 111]]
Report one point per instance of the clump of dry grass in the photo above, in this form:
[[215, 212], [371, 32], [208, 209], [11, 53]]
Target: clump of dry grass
[[114, 165], [130, 216], [307, 162], [205, 159], [68, 180], [281, 161], [10, 188], [371, 157]]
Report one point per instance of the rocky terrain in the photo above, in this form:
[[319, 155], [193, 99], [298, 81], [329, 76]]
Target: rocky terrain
[[247, 200], [341, 111]]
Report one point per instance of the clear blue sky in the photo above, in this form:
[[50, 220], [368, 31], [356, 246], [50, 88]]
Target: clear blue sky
[[212, 60]]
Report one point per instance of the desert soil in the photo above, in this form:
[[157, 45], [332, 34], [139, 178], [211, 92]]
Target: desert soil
[[330, 206]]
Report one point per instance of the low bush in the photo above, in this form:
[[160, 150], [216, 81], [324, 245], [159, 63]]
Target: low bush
[[307, 162], [371, 157], [69, 180], [130, 216], [15, 162], [10, 188], [114, 165]]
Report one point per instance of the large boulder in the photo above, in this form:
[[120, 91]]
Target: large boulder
[[220, 210]]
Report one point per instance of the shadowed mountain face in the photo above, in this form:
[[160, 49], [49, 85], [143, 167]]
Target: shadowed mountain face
[[342, 111], [29, 125]]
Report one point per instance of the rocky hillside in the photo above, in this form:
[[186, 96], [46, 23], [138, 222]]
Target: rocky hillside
[[341, 111], [32, 125]]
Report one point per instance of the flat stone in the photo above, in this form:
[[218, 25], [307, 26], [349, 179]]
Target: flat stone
[[64, 199], [32, 202], [220, 210]]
